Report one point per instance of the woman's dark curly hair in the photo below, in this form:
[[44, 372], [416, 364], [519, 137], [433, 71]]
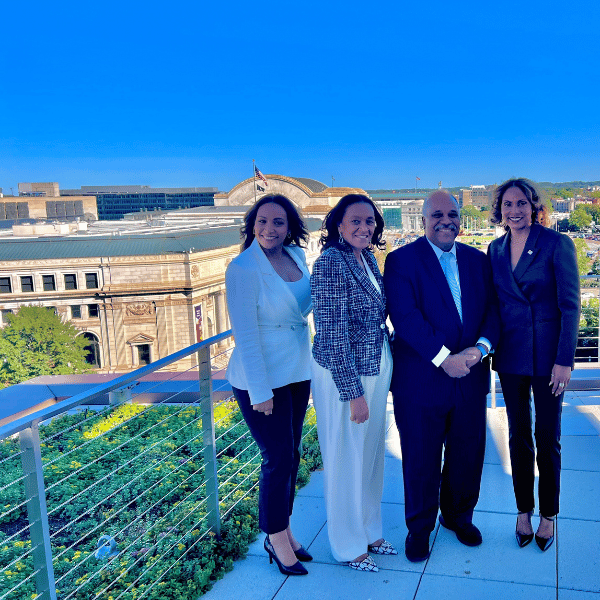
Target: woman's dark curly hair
[[297, 232], [330, 234], [531, 193]]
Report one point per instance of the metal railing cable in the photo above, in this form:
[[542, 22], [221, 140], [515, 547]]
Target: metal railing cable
[[140, 516], [156, 480]]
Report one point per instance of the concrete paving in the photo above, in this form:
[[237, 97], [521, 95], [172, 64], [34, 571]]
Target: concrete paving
[[497, 569]]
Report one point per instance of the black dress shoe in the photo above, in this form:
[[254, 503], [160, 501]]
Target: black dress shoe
[[545, 543], [466, 534], [295, 569], [416, 547], [303, 555], [523, 538]]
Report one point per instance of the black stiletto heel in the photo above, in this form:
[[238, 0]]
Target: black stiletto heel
[[545, 543], [303, 555], [295, 569], [524, 538]]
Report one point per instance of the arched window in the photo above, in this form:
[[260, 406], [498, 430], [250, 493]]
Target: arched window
[[93, 357]]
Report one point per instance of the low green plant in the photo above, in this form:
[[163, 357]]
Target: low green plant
[[137, 473]]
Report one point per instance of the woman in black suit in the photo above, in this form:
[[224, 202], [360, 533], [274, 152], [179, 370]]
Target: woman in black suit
[[537, 282]]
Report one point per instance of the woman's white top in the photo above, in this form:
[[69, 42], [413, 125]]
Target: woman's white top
[[272, 342]]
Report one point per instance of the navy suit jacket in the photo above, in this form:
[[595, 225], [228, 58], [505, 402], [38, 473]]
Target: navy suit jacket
[[349, 316], [425, 318], [539, 303]]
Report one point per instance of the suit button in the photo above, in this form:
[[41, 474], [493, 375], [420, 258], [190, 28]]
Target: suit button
[[382, 326], [293, 328]]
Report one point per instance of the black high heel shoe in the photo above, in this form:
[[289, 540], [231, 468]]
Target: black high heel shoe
[[303, 555], [524, 538], [295, 569], [545, 543]]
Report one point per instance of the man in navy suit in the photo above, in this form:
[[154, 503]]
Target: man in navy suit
[[443, 308]]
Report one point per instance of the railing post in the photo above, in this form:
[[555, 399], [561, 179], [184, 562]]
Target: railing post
[[37, 512], [493, 387], [208, 436]]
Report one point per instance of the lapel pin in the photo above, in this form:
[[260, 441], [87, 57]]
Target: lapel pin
[[529, 252]]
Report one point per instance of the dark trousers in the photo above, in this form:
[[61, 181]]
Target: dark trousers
[[548, 409], [278, 437], [453, 427]]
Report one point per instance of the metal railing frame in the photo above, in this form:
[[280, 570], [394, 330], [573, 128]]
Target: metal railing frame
[[27, 428]]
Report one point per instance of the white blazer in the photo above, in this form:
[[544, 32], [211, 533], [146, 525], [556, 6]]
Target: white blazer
[[272, 341]]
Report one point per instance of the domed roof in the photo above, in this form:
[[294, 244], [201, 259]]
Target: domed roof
[[312, 184]]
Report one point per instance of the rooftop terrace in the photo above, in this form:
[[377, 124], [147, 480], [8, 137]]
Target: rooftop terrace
[[498, 568]]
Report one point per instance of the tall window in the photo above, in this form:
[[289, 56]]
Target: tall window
[[27, 283], [3, 314], [5, 286], [93, 357], [93, 311], [144, 354], [49, 283], [91, 281], [70, 281], [75, 312]]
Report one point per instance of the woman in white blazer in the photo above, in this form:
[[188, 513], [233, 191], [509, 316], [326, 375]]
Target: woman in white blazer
[[268, 296]]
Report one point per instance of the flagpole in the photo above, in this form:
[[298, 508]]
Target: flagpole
[[254, 175]]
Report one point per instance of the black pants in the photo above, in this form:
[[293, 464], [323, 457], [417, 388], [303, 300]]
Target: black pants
[[548, 408], [278, 437], [453, 426]]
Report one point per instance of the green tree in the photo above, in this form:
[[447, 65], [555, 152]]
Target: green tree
[[36, 342], [583, 262], [579, 218]]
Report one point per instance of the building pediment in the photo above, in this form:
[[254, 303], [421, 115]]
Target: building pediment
[[140, 338]]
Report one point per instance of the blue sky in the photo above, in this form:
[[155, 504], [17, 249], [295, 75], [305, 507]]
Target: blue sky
[[372, 93]]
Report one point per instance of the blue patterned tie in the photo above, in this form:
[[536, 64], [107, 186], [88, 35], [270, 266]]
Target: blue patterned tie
[[451, 279]]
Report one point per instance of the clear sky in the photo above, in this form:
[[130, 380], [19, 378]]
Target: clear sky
[[372, 93]]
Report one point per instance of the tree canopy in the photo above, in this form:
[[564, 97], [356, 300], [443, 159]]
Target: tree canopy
[[580, 218], [37, 342], [583, 262]]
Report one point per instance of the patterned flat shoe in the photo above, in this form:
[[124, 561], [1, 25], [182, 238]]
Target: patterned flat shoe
[[384, 548], [366, 564]]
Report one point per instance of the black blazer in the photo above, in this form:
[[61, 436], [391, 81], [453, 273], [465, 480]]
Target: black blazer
[[425, 318], [539, 303]]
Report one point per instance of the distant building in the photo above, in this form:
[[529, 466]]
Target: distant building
[[137, 290], [307, 194], [401, 210], [49, 189], [563, 205], [15, 209], [479, 196], [114, 201]]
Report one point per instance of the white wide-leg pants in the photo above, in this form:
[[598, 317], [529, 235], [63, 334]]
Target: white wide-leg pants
[[353, 458]]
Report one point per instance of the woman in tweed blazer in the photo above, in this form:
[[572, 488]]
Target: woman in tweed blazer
[[351, 378]]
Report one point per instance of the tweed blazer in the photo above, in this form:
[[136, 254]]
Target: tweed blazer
[[272, 341], [539, 303], [349, 316]]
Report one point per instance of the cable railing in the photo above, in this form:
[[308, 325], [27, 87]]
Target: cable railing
[[125, 500]]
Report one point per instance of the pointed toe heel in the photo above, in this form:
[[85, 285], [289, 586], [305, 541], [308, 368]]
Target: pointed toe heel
[[523, 539], [295, 569], [542, 542]]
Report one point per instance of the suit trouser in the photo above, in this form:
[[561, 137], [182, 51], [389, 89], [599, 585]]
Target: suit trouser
[[516, 390], [453, 426], [353, 459], [278, 437]]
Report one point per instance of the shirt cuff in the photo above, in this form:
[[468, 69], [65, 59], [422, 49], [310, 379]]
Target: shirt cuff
[[484, 343], [441, 356]]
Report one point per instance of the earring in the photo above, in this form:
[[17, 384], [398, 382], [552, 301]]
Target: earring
[[289, 235], [341, 240]]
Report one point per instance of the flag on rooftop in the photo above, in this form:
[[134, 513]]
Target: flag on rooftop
[[418, 179], [260, 175]]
